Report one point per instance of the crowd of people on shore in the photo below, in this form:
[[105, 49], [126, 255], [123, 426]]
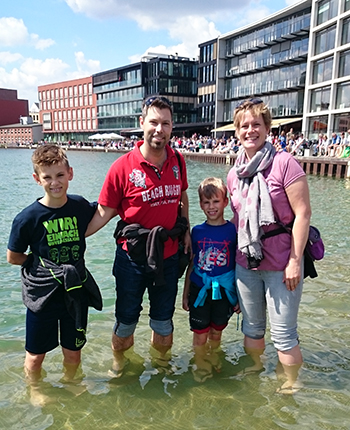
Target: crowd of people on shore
[[337, 146]]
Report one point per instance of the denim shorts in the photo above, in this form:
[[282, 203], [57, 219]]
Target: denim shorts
[[51, 326], [132, 280], [261, 290]]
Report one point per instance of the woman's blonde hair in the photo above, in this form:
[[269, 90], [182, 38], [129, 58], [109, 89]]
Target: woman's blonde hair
[[256, 107]]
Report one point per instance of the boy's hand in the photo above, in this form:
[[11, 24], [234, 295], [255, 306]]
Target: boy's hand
[[185, 303], [237, 309]]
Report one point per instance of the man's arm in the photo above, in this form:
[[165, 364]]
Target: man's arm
[[185, 213], [17, 258], [102, 215]]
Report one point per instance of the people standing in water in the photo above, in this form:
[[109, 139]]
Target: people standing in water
[[267, 189], [209, 292], [56, 286], [145, 187]]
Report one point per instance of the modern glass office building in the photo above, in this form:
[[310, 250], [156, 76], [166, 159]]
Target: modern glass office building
[[207, 83], [119, 95], [120, 91], [268, 60], [327, 90]]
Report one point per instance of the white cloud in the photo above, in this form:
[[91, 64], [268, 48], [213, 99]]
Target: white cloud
[[84, 67], [40, 43], [13, 32], [34, 72], [187, 22], [7, 57]]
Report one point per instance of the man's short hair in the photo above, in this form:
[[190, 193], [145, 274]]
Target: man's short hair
[[48, 155], [159, 102], [211, 187]]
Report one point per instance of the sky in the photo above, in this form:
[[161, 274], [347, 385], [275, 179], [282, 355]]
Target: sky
[[49, 41]]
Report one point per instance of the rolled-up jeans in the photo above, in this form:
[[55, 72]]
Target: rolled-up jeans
[[132, 279], [261, 290]]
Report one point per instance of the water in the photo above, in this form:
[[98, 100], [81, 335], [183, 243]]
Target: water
[[143, 398]]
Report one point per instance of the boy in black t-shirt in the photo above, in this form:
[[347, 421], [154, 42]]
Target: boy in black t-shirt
[[56, 287]]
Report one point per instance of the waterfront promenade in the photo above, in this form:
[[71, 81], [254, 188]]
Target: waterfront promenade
[[322, 166]]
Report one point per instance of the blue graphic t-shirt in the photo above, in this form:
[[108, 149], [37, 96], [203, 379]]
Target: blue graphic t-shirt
[[214, 249], [57, 234]]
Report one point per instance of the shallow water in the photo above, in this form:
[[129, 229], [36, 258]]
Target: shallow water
[[146, 398]]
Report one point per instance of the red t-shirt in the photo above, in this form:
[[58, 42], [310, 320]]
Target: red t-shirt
[[143, 194]]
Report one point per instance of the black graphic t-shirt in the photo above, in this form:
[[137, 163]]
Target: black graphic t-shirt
[[57, 234]]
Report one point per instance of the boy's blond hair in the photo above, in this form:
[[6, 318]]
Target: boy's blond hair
[[47, 155], [211, 187]]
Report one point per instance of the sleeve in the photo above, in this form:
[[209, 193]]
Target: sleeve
[[292, 171], [112, 191], [19, 239]]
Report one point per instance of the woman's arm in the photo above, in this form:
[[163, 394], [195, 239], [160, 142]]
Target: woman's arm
[[299, 199]]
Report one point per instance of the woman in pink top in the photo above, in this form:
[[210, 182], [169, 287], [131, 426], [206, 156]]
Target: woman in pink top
[[267, 189]]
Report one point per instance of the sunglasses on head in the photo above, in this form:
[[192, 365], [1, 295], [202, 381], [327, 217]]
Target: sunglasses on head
[[254, 101], [150, 100]]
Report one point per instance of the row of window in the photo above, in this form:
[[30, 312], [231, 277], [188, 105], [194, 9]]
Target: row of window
[[267, 57], [172, 86], [169, 68], [206, 113], [206, 98], [59, 93], [120, 109], [322, 69], [325, 39], [280, 105], [267, 81], [206, 53], [74, 114], [129, 94], [207, 74], [268, 33], [319, 124], [132, 78], [72, 125], [328, 9], [19, 131], [321, 98], [65, 103]]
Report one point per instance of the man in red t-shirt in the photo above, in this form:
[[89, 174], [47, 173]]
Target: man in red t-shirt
[[145, 187]]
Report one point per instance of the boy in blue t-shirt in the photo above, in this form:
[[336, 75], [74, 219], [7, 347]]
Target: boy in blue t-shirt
[[209, 291], [56, 287]]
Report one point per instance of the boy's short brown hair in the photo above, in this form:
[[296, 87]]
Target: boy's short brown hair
[[211, 187], [47, 155]]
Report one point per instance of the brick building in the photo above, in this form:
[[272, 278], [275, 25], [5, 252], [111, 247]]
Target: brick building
[[68, 110], [11, 108]]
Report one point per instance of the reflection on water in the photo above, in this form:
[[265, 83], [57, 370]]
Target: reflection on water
[[150, 397]]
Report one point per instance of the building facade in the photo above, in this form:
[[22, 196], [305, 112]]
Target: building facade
[[68, 110], [267, 59], [207, 65], [22, 133], [327, 91], [120, 91], [119, 94], [11, 108]]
